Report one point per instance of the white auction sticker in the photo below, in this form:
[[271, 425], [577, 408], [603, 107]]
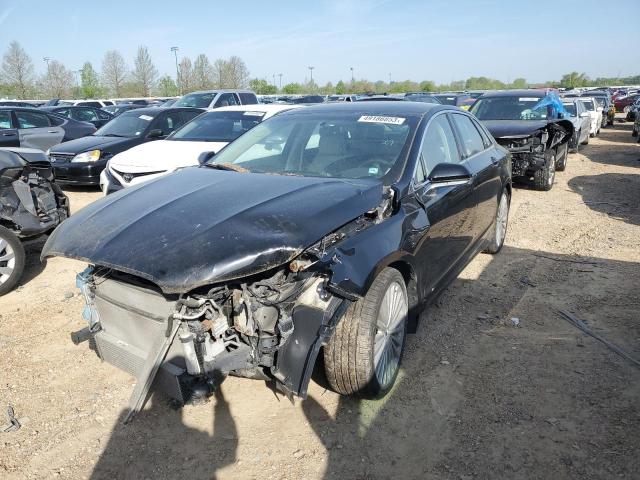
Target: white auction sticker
[[381, 119], [528, 99], [254, 114], [146, 117]]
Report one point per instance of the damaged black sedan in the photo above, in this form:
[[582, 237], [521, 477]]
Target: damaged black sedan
[[325, 227], [534, 126], [31, 204]]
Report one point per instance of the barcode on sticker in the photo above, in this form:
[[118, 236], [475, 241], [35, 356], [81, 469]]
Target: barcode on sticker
[[528, 99], [254, 114], [381, 119]]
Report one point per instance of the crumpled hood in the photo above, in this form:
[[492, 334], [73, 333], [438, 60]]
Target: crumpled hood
[[163, 155], [200, 226], [509, 128]]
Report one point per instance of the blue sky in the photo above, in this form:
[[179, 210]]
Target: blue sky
[[419, 40]]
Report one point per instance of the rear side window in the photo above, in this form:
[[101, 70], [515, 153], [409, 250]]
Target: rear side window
[[439, 144], [248, 98], [32, 120], [486, 136], [5, 119], [226, 100], [64, 112], [469, 136], [85, 115]]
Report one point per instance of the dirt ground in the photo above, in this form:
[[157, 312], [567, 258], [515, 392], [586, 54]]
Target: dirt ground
[[477, 397]]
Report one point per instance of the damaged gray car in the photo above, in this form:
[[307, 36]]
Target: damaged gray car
[[31, 204], [326, 229], [534, 126]]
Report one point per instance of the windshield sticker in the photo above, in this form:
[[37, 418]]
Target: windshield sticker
[[373, 170], [146, 117], [254, 114], [528, 99], [379, 119]]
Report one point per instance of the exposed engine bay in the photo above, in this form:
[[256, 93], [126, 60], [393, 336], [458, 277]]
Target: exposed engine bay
[[528, 151], [30, 201], [267, 326]]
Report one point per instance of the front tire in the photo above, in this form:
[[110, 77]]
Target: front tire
[[499, 225], [12, 260], [544, 177], [562, 164], [363, 355]]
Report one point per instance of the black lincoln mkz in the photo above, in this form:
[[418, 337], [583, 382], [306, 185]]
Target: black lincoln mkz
[[329, 226]]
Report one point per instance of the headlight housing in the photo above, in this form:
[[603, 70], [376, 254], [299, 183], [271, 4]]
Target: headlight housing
[[85, 157]]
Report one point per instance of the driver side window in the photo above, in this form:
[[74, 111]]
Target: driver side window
[[439, 144]]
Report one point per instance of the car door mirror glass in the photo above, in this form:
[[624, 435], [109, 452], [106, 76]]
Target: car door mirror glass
[[449, 172], [205, 157]]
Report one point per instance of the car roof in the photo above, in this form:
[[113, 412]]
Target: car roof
[[153, 111], [258, 107], [223, 90], [395, 108], [516, 93]]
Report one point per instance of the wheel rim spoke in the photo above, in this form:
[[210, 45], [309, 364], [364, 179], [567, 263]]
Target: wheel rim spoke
[[389, 339]]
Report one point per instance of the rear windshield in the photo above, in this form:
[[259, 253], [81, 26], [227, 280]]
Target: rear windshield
[[197, 100], [218, 126]]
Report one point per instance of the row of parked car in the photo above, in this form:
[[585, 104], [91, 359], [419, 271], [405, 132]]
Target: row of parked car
[[282, 228]]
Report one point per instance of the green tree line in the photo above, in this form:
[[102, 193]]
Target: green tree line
[[116, 79]]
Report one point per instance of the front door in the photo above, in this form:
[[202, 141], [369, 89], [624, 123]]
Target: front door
[[450, 208]]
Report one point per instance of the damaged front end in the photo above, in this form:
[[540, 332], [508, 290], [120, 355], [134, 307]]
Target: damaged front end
[[30, 201], [530, 152], [267, 325]]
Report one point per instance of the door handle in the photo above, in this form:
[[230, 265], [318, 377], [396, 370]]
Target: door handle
[[8, 134], [52, 131]]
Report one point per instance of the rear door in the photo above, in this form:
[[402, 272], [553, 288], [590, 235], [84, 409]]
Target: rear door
[[35, 130], [450, 208], [484, 161], [8, 134]]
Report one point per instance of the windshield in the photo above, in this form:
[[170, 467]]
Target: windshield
[[197, 100], [128, 124], [218, 126], [510, 108], [344, 145], [571, 108]]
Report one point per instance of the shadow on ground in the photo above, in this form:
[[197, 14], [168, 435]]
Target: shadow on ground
[[477, 396]]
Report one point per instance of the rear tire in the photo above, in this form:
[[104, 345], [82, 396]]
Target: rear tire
[[634, 133], [499, 229], [12, 260], [363, 355], [543, 178]]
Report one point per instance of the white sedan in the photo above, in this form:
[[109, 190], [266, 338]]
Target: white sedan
[[595, 112], [203, 136]]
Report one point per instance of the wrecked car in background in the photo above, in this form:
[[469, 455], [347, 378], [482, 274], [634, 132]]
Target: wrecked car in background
[[31, 204], [250, 263], [534, 126]]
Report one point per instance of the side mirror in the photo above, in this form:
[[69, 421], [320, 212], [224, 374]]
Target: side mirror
[[449, 173], [204, 157], [155, 133]]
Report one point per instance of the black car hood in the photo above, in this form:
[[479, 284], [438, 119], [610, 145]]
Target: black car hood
[[90, 142], [509, 128], [200, 226]]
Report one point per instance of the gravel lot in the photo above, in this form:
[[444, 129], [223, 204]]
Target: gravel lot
[[477, 397]]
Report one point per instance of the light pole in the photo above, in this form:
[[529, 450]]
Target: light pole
[[280, 75], [389, 79], [47, 59], [274, 79], [78, 74], [352, 80], [311, 70], [175, 52]]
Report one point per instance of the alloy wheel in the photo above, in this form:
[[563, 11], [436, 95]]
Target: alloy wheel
[[7, 261], [502, 219], [390, 334]]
